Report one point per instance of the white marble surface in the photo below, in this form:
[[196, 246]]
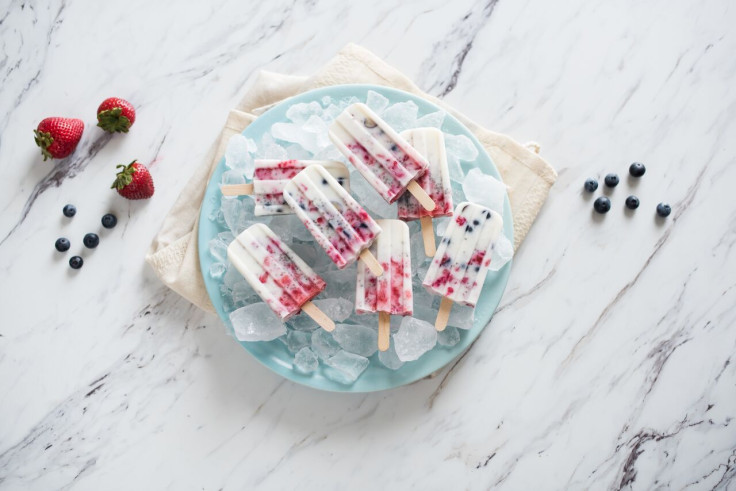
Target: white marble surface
[[608, 364]]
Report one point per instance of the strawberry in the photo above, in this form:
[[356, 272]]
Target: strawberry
[[133, 181], [115, 114], [58, 137]]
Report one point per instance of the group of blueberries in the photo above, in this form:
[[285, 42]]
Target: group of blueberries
[[90, 240], [603, 204]]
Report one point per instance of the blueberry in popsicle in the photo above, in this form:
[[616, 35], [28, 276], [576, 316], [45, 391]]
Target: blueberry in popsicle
[[270, 177], [385, 159], [390, 293], [459, 267], [277, 274], [436, 183], [338, 223]]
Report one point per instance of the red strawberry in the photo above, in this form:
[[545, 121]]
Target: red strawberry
[[58, 137], [115, 114], [133, 181]]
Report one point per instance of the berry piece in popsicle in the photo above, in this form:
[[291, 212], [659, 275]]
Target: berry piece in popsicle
[[436, 183], [338, 223], [277, 274], [390, 293], [382, 156], [459, 268]]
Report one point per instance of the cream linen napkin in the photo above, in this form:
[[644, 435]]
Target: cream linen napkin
[[173, 253]]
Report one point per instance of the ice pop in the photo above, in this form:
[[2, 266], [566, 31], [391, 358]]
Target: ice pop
[[459, 267], [338, 223], [380, 154], [270, 177], [390, 293], [436, 182], [278, 275]]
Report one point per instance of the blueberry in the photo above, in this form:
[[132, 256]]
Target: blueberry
[[76, 262], [69, 210], [62, 244], [637, 169], [91, 241], [109, 220], [602, 204], [632, 202], [664, 210], [591, 185], [611, 180]]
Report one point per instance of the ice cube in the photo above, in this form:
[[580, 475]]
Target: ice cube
[[236, 152], [296, 340], [401, 116], [297, 152], [440, 225], [340, 283], [415, 337], [461, 316], [305, 361], [302, 322], [331, 112], [269, 149], [369, 198], [299, 113], [326, 100], [323, 344], [484, 190], [389, 358], [256, 322], [281, 226], [337, 309], [218, 249], [449, 337], [501, 253], [233, 176], [431, 120], [456, 171], [376, 101], [357, 339], [217, 270], [461, 147], [344, 367]]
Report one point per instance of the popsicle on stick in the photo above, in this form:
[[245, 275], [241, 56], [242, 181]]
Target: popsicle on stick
[[436, 183], [390, 293], [270, 177], [459, 267], [278, 275], [338, 223], [380, 154]]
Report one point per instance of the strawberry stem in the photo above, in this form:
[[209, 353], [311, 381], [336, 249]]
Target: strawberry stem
[[112, 120], [124, 177], [44, 140]]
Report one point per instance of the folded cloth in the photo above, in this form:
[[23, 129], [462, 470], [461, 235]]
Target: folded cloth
[[173, 254]]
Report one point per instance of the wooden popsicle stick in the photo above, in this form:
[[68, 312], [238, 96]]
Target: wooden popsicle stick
[[236, 189], [421, 195], [318, 316], [444, 314], [430, 247], [372, 263], [384, 329]]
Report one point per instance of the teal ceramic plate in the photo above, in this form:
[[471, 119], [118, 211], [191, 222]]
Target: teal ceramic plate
[[273, 354]]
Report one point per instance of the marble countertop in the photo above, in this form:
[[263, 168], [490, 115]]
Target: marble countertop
[[608, 364]]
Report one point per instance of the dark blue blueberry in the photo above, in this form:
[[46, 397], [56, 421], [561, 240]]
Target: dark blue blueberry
[[488, 214], [324, 182], [69, 210], [369, 123], [611, 180], [632, 202], [591, 185], [109, 220], [62, 244], [76, 262], [602, 204], [91, 241], [664, 210], [637, 169], [476, 222], [394, 148], [468, 228]]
